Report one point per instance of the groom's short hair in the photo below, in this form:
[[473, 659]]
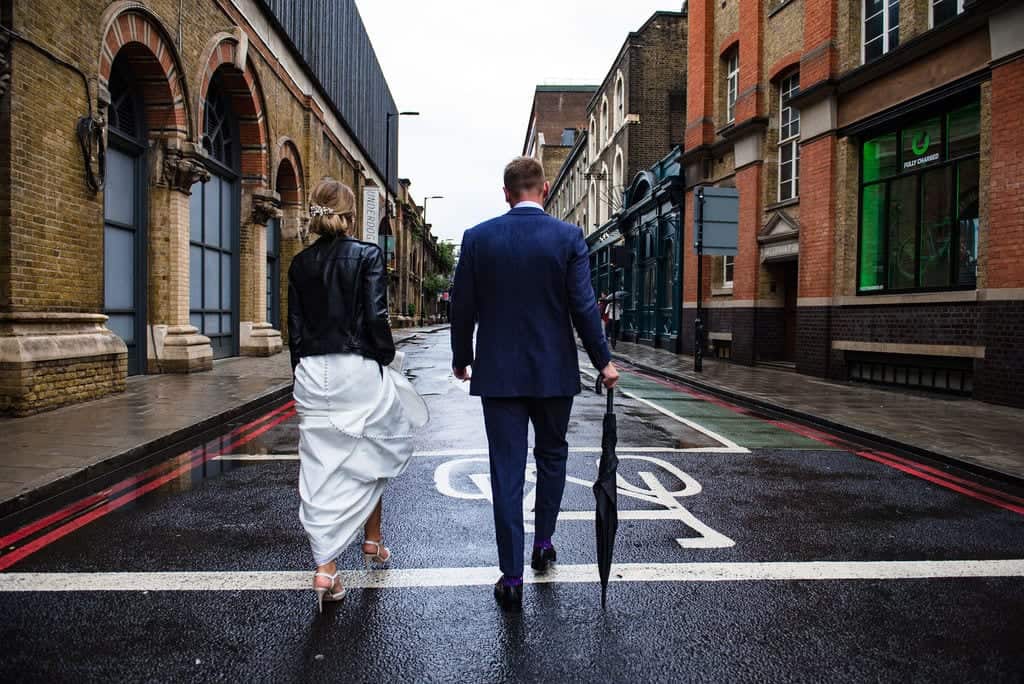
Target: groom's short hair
[[522, 174]]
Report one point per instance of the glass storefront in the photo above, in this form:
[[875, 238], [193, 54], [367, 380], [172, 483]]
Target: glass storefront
[[919, 204]]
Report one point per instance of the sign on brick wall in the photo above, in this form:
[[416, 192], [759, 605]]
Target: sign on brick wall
[[371, 214]]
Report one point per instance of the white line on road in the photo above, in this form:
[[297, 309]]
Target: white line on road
[[482, 576], [446, 453], [730, 446]]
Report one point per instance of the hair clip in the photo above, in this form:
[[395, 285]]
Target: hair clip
[[317, 210]]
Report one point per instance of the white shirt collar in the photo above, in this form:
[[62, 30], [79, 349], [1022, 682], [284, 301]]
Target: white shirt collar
[[527, 204]]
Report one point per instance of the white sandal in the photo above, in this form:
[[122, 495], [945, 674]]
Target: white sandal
[[327, 593], [379, 558]]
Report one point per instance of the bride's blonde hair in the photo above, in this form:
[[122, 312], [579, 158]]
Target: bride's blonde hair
[[332, 208]]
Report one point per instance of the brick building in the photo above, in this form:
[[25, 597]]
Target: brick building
[[155, 159], [636, 115], [558, 112], [416, 258], [877, 149]]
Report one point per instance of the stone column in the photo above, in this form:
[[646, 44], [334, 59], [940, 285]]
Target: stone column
[[258, 337], [175, 346]]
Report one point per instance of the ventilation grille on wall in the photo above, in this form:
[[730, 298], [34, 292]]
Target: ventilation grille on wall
[[938, 374]]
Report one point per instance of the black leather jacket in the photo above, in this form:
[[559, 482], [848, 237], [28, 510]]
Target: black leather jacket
[[338, 301]]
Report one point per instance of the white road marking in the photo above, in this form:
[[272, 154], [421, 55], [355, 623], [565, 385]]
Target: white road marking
[[451, 453], [729, 445], [481, 576]]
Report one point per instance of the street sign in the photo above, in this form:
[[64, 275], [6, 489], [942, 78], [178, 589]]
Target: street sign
[[721, 218], [371, 214]]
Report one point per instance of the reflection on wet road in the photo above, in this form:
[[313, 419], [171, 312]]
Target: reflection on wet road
[[748, 549]]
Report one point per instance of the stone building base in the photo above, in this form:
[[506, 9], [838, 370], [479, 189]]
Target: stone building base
[[179, 349], [259, 339], [50, 360]]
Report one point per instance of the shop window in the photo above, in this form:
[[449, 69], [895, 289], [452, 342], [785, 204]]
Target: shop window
[[919, 205], [944, 10], [789, 139], [881, 27], [732, 83]]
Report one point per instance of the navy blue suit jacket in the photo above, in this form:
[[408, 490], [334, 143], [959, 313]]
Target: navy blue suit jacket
[[524, 279]]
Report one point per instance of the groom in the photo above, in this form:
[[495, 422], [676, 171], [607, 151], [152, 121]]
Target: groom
[[524, 279]]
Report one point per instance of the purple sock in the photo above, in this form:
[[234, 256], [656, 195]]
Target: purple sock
[[543, 544], [511, 581]]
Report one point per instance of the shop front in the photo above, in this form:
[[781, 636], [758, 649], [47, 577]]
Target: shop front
[[637, 257]]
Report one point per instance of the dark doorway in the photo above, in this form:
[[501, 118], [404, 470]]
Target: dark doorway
[[790, 281]]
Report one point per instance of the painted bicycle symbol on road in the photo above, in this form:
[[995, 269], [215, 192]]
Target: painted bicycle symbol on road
[[469, 479]]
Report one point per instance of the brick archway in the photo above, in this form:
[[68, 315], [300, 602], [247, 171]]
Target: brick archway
[[132, 32], [288, 180], [228, 53]]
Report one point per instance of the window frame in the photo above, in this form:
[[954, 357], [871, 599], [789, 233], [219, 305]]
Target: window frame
[[727, 262], [620, 100], [947, 162], [793, 140], [886, 29], [931, 12], [732, 83]]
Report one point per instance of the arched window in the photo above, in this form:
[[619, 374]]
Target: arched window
[[605, 201], [617, 172], [604, 122], [124, 220], [215, 227], [592, 204], [592, 142], [620, 101]]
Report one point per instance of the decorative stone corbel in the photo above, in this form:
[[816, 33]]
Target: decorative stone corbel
[[266, 205], [180, 166]]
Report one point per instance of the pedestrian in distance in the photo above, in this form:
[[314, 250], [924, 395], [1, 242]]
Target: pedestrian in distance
[[523, 283], [357, 414]]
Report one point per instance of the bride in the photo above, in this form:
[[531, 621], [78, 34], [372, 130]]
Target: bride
[[356, 414]]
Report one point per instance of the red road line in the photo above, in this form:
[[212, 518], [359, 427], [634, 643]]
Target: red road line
[[941, 482], [69, 527], [93, 499], [934, 475]]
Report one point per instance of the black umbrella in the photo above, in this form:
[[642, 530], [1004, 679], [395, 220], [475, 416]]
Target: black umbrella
[[606, 494]]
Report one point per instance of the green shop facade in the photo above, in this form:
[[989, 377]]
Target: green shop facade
[[638, 254]]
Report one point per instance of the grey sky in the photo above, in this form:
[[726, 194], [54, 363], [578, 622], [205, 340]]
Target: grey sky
[[470, 67]]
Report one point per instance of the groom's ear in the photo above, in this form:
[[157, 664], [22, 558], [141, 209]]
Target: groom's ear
[[508, 195], [546, 191]]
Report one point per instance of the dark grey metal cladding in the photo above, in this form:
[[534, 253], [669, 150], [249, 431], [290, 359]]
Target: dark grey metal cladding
[[331, 38]]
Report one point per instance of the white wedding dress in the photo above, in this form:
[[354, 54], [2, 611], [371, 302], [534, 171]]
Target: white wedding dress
[[355, 434]]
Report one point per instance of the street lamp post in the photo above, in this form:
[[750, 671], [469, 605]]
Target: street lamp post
[[387, 162]]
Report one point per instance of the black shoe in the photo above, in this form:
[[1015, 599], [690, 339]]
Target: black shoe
[[542, 559], [509, 598]]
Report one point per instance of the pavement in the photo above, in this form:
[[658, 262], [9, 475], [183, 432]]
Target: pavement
[[749, 549], [53, 454], [986, 437]]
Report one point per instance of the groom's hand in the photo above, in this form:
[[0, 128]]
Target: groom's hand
[[462, 374], [610, 375]]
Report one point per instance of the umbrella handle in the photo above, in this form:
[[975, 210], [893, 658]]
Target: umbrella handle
[[599, 384]]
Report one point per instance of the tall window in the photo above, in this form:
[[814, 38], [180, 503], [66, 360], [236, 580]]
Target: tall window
[[944, 10], [789, 139], [604, 122], [728, 269], [919, 204], [881, 27], [620, 102], [593, 137], [732, 83]]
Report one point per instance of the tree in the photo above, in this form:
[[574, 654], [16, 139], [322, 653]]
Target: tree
[[445, 259], [434, 284]]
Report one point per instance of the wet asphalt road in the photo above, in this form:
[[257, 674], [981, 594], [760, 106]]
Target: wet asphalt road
[[728, 521]]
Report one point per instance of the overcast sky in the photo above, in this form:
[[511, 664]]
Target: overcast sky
[[470, 67]]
